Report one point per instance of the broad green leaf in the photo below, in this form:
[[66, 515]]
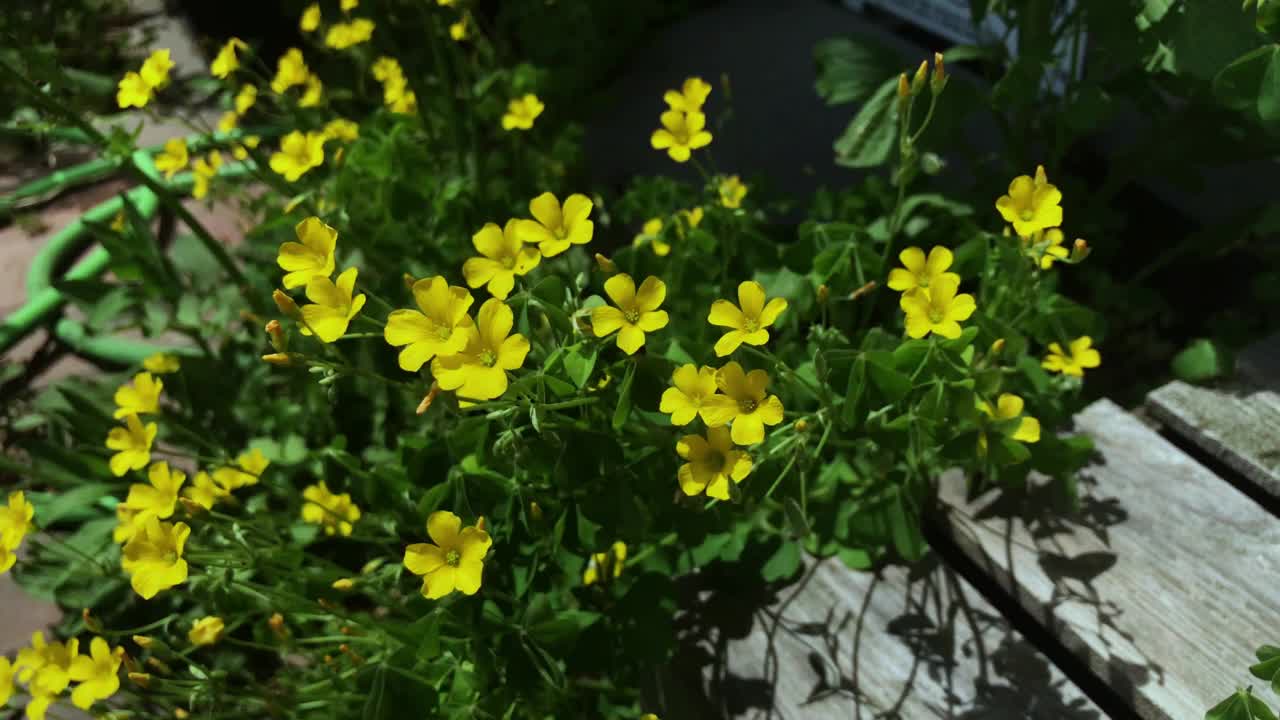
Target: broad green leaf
[[869, 139], [783, 563], [1200, 361]]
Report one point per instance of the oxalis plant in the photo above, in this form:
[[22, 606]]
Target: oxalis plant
[[441, 439]]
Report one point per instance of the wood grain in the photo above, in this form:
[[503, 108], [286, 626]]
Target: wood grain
[[1240, 426], [900, 643], [1164, 583]]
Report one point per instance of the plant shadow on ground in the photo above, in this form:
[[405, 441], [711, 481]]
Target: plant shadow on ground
[[902, 641]]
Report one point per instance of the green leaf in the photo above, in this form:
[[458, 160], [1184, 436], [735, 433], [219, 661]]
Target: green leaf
[[1269, 666], [1200, 361], [1240, 706], [77, 504], [1239, 85], [623, 411], [564, 628], [848, 70], [851, 412], [868, 141], [578, 364], [783, 563], [1269, 91], [895, 385], [1006, 451], [905, 528], [796, 521]]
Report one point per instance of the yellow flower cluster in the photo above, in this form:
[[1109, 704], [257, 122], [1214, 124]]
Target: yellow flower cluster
[[1008, 407], [454, 560], [136, 89], [651, 233], [1032, 207], [310, 263], [929, 296], [684, 122], [731, 190], [15, 523], [292, 71], [605, 566], [48, 669], [349, 34], [521, 113], [396, 94], [226, 61], [335, 513]]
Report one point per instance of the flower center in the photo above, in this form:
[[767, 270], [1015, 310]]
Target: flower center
[[751, 324], [443, 332], [509, 262], [632, 315], [747, 406], [171, 556], [936, 316], [453, 558], [1026, 214], [488, 358], [715, 460]]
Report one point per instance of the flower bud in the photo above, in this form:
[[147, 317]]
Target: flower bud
[[279, 339], [535, 511], [904, 88], [181, 714], [606, 265], [480, 524], [281, 359], [802, 425], [276, 623], [430, 398], [409, 281], [142, 680], [287, 306], [343, 584], [160, 666], [871, 285], [824, 294], [922, 74], [932, 163], [372, 565], [997, 346], [142, 641], [90, 622], [1080, 250], [940, 77]]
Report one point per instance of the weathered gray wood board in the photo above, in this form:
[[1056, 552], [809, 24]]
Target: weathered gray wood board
[[1164, 584], [1239, 426], [922, 643]]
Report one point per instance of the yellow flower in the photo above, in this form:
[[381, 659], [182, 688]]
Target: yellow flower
[[46, 668], [157, 499], [153, 557], [459, 30], [334, 306], [504, 256], [636, 313], [1080, 355], [310, 257], [404, 103], [173, 158], [937, 309], [690, 97], [385, 69], [249, 468], [241, 151], [693, 385], [133, 91], [608, 564], [1031, 205], [132, 444], [203, 491], [681, 134], [298, 154], [313, 94], [556, 227], [245, 99], [140, 398], [335, 512], [310, 19], [15, 523], [349, 5], [344, 35], [155, 69], [648, 716], [203, 170], [454, 562], [440, 327], [161, 363], [731, 190], [651, 233], [521, 113], [479, 372], [98, 674], [920, 271], [692, 218], [206, 631], [341, 129], [744, 403], [228, 121], [446, 3], [711, 462], [1046, 247], [6, 681], [291, 70], [226, 61], [748, 320], [1009, 407]]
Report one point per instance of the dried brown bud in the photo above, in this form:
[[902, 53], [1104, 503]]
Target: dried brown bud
[[279, 338]]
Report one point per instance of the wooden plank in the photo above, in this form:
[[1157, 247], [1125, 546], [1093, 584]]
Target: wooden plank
[[900, 643], [1164, 583], [1241, 426], [1260, 363]]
